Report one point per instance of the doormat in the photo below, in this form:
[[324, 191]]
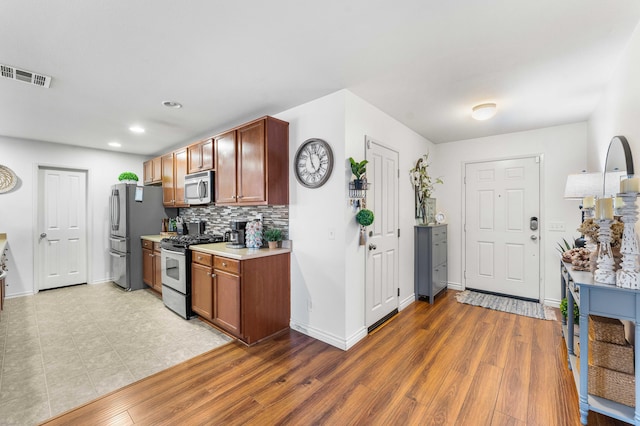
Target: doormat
[[507, 304]]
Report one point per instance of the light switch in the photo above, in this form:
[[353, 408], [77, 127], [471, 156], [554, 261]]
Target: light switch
[[556, 227]]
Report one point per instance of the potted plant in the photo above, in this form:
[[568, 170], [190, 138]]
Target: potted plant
[[364, 219], [423, 185], [128, 177], [273, 236], [359, 169]]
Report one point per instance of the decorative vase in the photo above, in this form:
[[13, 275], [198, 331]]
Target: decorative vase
[[428, 211]]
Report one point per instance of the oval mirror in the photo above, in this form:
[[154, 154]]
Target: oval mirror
[[618, 165]]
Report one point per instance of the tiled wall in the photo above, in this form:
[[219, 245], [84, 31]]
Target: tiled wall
[[218, 217]]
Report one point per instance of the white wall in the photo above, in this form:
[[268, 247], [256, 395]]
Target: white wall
[[327, 276], [18, 209], [564, 151], [617, 111]]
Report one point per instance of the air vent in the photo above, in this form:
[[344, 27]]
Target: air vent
[[25, 76]]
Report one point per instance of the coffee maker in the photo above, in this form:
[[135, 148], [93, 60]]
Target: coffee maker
[[236, 236]]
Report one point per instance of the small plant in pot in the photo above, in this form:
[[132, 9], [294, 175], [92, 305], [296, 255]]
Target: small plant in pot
[[128, 177], [273, 237], [359, 169], [364, 218]]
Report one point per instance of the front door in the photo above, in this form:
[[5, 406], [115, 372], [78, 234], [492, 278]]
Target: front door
[[382, 236], [62, 233], [502, 216]]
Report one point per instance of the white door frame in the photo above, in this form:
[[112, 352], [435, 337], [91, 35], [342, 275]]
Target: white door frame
[[36, 232], [543, 222]]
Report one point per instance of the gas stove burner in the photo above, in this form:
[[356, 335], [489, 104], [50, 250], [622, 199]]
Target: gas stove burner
[[184, 241]]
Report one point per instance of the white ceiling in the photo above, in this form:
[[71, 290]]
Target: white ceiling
[[424, 62]]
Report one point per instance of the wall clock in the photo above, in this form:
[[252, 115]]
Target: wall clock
[[313, 163]]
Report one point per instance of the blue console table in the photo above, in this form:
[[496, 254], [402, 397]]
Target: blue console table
[[606, 301]]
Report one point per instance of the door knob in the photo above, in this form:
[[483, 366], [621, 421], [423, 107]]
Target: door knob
[[372, 247], [43, 235], [534, 237]]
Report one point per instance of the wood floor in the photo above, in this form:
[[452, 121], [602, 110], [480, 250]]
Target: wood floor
[[446, 363]]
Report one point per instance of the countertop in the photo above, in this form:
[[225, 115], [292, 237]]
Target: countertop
[[221, 249], [3, 242], [154, 238]]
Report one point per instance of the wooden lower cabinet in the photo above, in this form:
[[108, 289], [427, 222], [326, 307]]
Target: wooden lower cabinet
[[151, 265], [226, 297], [249, 299], [201, 290]]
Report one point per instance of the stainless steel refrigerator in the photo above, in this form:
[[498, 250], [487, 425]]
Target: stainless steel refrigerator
[[133, 211]]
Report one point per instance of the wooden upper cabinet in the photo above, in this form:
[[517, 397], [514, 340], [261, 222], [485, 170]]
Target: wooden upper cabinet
[[252, 164], [180, 171], [200, 156], [153, 171], [168, 188], [174, 169], [225, 180]]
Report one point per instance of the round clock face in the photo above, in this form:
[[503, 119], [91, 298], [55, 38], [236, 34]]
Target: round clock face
[[440, 218], [313, 163]]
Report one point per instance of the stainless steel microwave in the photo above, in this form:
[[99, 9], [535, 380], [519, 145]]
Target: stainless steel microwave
[[198, 188]]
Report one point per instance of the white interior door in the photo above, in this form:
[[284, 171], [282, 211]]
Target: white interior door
[[62, 218], [382, 245], [502, 248]]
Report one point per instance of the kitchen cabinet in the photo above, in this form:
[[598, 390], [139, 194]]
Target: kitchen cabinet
[[202, 285], [226, 295], [174, 169], [200, 156], [252, 164], [249, 299], [153, 171], [430, 262], [151, 265]]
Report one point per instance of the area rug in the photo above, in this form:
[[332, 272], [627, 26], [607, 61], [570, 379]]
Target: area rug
[[507, 304]]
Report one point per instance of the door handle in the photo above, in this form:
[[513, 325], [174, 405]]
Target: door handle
[[534, 237], [116, 254], [372, 247], [43, 235]]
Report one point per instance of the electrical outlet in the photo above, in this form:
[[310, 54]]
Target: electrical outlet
[[556, 226]]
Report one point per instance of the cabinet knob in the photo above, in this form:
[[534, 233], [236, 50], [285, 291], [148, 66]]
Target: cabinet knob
[[240, 196], [224, 264]]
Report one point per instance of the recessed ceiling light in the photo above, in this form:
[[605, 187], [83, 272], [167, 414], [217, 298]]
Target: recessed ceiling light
[[172, 104], [137, 129], [115, 144], [484, 111]]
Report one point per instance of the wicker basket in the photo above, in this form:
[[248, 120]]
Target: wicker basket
[[606, 330], [613, 357], [613, 385]]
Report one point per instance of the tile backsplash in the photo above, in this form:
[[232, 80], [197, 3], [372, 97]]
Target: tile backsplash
[[218, 217]]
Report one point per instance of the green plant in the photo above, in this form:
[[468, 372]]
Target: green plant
[[576, 310], [564, 245], [365, 217], [273, 234], [358, 169], [128, 176]]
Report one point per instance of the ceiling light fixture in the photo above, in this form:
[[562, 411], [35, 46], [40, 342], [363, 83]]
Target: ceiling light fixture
[[172, 104], [137, 129], [115, 144], [484, 111]]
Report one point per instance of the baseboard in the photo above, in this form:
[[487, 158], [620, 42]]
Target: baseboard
[[406, 302], [554, 303], [455, 286], [329, 338]]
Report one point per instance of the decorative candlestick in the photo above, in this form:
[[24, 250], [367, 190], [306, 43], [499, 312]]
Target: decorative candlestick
[[629, 274], [605, 273], [589, 243]]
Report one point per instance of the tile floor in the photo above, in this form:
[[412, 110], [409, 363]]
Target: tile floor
[[63, 347]]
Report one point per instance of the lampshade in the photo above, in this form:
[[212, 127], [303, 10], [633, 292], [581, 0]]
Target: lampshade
[[580, 185], [484, 111]]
